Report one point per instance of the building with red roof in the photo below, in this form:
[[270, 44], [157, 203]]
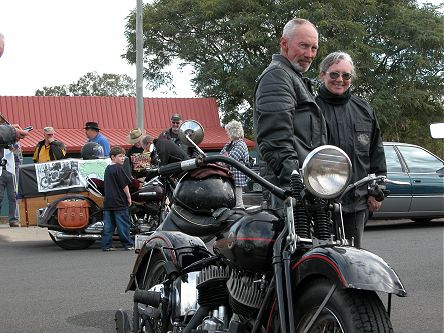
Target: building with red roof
[[116, 116]]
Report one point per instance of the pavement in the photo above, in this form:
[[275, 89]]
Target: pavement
[[22, 234]]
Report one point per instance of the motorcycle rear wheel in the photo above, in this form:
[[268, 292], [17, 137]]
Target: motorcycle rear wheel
[[348, 310], [154, 274], [73, 244]]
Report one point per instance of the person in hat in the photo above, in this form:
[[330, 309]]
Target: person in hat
[[135, 153], [172, 132], [49, 149], [93, 135]]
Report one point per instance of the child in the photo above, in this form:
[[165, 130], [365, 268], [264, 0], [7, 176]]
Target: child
[[117, 201]]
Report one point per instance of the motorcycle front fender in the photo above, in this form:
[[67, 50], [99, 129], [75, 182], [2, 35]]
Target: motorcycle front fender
[[348, 267], [174, 244]]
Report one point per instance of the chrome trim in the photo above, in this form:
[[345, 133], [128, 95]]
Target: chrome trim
[[95, 228], [60, 235], [188, 295]]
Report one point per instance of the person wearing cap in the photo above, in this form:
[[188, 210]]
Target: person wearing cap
[[93, 134], [134, 154], [49, 149], [172, 132]]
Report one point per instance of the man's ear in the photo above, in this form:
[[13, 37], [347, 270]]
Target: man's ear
[[283, 43]]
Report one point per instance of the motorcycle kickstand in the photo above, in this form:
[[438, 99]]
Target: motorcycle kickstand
[[321, 307]]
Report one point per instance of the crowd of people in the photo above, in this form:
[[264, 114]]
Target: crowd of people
[[289, 119]]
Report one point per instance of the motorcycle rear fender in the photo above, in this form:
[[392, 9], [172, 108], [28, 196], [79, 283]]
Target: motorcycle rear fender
[[46, 220], [348, 267], [165, 241]]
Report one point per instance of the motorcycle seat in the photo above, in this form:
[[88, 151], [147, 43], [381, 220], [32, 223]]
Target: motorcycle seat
[[180, 219]]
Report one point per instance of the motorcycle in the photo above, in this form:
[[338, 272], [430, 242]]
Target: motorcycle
[[211, 267], [75, 221]]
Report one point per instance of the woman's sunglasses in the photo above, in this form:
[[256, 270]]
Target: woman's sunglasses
[[335, 75]]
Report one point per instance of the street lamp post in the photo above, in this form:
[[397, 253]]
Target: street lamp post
[[139, 63]]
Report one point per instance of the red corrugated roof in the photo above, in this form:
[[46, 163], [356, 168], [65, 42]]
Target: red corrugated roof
[[116, 117]]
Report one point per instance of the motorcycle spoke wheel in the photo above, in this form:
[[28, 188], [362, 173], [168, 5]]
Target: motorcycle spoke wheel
[[155, 274], [347, 310]]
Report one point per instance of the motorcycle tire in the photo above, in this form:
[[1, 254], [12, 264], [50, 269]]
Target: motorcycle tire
[[348, 310], [73, 244], [154, 274]]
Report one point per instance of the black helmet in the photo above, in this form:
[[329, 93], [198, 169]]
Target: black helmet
[[92, 151], [203, 196]]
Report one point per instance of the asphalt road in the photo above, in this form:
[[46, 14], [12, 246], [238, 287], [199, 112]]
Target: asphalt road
[[47, 289]]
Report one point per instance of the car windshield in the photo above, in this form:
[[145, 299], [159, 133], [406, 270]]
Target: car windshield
[[419, 160]]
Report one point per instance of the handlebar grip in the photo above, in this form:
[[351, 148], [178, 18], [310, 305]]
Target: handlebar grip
[[147, 297]]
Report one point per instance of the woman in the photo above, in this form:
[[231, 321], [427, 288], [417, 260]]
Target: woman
[[353, 127], [237, 149]]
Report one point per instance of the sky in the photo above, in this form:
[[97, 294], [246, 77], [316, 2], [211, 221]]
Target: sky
[[55, 42]]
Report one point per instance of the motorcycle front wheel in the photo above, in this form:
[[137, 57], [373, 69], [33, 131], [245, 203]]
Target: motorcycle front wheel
[[348, 310], [154, 274], [73, 244]]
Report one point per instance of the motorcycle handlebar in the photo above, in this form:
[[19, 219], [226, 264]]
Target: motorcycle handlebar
[[177, 167]]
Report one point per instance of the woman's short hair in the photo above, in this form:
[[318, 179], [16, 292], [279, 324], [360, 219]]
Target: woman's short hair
[[333, 58], [234, 129], [146, 140]]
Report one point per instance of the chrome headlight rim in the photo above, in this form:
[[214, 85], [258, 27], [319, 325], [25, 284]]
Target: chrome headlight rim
[[308, 169]]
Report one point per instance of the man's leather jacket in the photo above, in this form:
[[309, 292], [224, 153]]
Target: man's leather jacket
[[7, 135], [288, 123]]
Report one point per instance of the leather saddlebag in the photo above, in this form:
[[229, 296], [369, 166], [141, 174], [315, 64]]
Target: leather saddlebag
[[73, 215]]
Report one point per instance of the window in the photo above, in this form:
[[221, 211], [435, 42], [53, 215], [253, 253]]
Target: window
[[420, 161], [392, 160]]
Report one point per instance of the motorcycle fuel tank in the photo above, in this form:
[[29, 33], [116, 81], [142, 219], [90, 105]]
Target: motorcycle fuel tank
[[248, 243], [150, 192]]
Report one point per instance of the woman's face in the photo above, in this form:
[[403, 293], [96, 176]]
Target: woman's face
[[334, 80]]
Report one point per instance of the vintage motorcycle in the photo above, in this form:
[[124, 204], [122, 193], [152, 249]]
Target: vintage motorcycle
[[260, 270], [76, 221]]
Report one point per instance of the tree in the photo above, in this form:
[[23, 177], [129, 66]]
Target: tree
[[398, 49], [92, 84]]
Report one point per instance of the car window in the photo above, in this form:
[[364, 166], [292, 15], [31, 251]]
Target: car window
[[392, 160], [420, 161]]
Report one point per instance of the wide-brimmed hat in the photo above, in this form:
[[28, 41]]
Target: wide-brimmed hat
[[135, 135], [92, 124]]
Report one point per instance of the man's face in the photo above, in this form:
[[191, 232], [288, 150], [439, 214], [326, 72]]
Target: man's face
[[49, 137], [90, 133], [175, 125], [301, 48]]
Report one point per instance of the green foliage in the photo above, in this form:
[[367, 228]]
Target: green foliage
[[397, 47], [92, 84]]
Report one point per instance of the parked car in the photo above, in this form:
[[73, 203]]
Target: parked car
[[421, 201]]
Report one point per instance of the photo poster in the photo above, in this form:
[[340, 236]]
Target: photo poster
[[68, 173]]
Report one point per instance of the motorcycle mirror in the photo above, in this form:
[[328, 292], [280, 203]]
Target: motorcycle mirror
[[191, 133], [437, 130]]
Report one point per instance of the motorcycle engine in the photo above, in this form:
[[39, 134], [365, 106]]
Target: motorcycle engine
[[219, 286]]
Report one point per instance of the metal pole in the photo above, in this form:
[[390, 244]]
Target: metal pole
[[139, 63]]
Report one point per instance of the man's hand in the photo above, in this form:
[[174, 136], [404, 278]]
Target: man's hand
[[19, 132], [373, 204]]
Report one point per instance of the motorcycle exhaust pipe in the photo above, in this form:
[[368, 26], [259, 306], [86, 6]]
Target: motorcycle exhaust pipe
[[148, 297], [64, 236]]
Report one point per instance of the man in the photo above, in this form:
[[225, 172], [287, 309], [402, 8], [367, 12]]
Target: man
[[49, 149], [172, 133], [92, 134], [287, 121], [7, 184], [136, 158]]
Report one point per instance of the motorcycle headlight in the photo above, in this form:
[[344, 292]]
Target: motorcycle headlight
[[326, 171]]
